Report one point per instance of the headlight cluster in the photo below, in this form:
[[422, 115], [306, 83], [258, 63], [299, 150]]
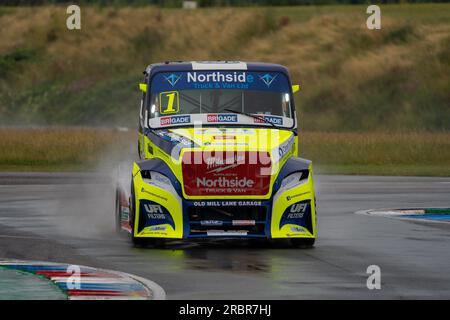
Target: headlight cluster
[[156, 178], [295, 179]]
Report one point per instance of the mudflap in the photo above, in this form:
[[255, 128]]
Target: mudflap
[[122, 211]]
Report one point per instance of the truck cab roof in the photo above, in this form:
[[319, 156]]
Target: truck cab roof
[[169, 66]]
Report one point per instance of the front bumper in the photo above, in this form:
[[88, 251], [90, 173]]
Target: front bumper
[[162, 213]]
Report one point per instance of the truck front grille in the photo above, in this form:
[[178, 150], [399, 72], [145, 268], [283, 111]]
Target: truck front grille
[[234, 220]]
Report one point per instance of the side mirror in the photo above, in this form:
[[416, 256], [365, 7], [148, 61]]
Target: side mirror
[[295, 88], [143, 87]]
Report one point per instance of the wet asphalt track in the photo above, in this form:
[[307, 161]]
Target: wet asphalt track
[[68, 218]]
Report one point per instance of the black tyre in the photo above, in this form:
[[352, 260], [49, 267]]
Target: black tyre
[[138, 242], [117, 213], [139, 150], [303, 242]]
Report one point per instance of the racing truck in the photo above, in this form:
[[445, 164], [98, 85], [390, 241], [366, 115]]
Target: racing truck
[[218, 157]]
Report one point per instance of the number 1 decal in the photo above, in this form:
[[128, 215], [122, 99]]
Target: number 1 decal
[[169, 102]]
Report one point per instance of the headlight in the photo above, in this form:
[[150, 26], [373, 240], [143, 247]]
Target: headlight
[[156, 178], [295, 179]]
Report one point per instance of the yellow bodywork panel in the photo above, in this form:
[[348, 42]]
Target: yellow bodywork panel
[[163, 197], [244, 140], [280, 144], [283, 200]]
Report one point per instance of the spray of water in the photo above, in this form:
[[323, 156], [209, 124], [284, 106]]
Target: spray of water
[[86, 209]]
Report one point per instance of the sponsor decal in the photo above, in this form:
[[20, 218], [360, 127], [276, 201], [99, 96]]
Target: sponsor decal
[[153, 232], [243, 222], [285, 147], [222, 173], [158, 228], [224, 143], [206, 131], [272, 119], [297, 229], [234, 203], [298, 214], [211, 223], [165, 121], [174, 138], [218, 77], [249, 203], [226, 77], [155, 214], [153, 210], [222, 118], [267, 78], [218, 164], [219, 80], [297, 210], [226, 233], [173, 78], [224, 182], [124, 213], [224, 137]]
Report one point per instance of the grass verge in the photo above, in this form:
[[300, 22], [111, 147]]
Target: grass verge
[[76, 149], [352, 78]]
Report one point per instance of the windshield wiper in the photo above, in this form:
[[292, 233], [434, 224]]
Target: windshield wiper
[[252, 116]]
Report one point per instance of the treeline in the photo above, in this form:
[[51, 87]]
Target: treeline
[[211, 3]]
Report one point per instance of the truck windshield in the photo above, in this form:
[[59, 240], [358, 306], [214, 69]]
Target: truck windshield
[[182, 98]]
